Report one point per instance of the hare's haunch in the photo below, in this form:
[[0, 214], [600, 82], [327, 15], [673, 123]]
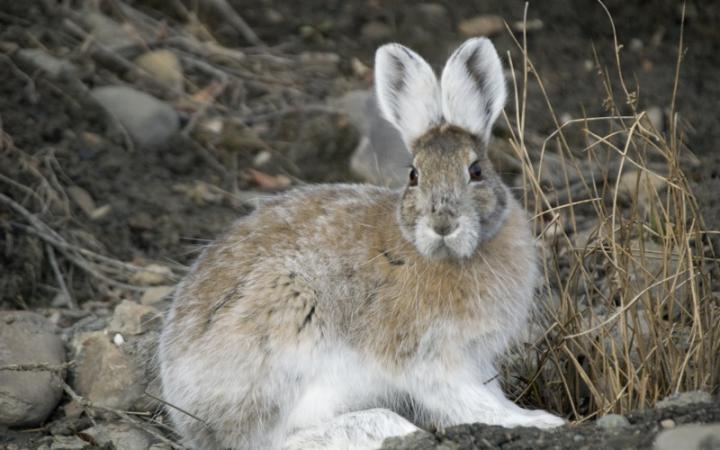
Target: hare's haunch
[[336, 316]]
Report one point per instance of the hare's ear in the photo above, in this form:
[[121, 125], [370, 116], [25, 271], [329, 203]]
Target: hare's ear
[[473, 87], [407, 91]]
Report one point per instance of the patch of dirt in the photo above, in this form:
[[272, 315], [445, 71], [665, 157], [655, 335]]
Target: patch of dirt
[[640, 434]]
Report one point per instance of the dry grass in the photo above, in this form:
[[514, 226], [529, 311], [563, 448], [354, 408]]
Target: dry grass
[[627, 308]]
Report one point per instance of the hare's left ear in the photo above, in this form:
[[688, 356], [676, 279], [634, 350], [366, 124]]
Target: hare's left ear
[[473, 87], [407, 91]]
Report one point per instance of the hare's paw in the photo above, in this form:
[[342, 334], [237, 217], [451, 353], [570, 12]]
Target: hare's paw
[[539, 419], [360, 430]]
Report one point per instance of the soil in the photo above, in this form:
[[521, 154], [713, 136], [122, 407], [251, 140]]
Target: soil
[[641, 433], [152, 218]]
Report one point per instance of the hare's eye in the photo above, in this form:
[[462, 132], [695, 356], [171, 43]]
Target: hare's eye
[[413, 177], [475, 171]]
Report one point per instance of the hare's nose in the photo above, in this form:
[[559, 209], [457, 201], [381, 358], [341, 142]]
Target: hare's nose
[[444, 227]]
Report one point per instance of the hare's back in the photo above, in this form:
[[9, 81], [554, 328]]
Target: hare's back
[[272, 265]]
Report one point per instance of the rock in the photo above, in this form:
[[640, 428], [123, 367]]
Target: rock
[[689, 437], [110, 34], [485, 25], [53, 66], [655, 116], [152, 274], [83, 199], [381, 157], [155, 294], [684, 399], [667, 423], [433, 12], [27, 398], [69, 443], [642, 186], [636, 45], [612, 422], [149, 121], [376, 31], [121, 436], [131, 318], [323, 63], [164, 66], [105, 374]]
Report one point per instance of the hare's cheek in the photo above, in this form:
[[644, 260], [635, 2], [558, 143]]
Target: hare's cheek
[[486, 201]]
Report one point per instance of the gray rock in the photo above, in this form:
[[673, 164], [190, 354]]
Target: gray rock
[[109, 33], [28, 397], [376, 31], [121, 436], [612, 422], [689, 437], [105, 374], [684, 399], [149, 121], [381, 157], [656, 117], [49, 64], [131, 318]]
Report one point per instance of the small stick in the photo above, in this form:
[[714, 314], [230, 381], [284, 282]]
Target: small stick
[[59, 276], [88, 405], [227, 11], [37, 367]]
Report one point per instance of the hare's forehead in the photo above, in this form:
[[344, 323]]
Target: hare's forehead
[[445, 149]]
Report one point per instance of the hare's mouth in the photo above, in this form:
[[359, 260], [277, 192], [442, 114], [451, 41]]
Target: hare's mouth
[[460, 243]]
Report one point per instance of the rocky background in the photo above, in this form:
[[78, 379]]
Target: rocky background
[[133, 132]]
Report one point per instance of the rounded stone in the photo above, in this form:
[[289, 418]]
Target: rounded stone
[[28, 397], [613, 422]]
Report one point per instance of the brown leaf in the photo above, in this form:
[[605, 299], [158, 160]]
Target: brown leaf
[[270, 182]]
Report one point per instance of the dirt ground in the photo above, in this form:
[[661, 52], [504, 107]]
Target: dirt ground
[[154, 216]]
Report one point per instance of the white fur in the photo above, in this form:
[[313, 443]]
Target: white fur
[[461, 242], [360, 430], [410, 97], [465, 103], [407, 91]]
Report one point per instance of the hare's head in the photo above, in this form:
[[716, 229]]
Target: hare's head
[[454, 199]]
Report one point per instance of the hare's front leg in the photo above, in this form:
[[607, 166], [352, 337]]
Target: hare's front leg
[[359, 430], [466, 397]]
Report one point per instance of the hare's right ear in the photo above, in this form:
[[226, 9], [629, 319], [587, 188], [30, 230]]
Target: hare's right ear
[[407, 90]]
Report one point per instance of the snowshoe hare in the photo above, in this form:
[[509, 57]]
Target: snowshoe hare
[[336, 316]]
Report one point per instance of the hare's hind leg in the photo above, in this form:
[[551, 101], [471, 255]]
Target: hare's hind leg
[[359, 430]]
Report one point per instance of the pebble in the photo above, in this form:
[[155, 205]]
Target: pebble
[[152, 274], [51, 65], [655, 116], [148, 120], [485, 25], [121, 436], [376, 31], [643, 189], [105, 374], [689, 437], [155, 294], [27, 398], [667, 423], [109, 33], [164, 66], [131, 318], [685, 398], [612, 422], [323, 63]]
